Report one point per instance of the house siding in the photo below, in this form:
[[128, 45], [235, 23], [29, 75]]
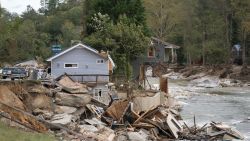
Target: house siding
[[86, 61], [159, 54], [144, 59]]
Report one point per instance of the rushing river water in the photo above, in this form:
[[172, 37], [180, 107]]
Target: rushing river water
[[230, 105]]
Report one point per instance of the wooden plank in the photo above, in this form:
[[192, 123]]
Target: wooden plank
[[143, 125], [159, 127], [141, 117], [116, 110]]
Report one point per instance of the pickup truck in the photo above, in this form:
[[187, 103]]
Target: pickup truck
[[14, 73]]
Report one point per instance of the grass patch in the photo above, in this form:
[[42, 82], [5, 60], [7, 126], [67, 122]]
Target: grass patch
[[12, 134]]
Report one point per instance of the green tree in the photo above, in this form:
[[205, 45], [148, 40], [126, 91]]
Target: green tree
[[133, 9], [241, 10], [125, 40], [69, 33], [49, 6], [160, 17]]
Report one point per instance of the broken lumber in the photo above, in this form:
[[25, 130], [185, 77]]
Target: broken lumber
[[117, 109], [174, 125], [159, 127], [142, 116]]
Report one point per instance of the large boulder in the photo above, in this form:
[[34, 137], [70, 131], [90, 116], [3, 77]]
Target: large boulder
[[72, 100], [70, 86]]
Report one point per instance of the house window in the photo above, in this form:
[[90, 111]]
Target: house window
[[99, 61], [71, 65], [151, 52]]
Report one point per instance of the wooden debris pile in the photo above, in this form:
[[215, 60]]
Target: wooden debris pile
[[74, 115], [213, 131], [159, 122]]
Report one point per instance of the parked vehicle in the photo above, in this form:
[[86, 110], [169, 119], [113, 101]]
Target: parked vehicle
[[1, 73], [14, 73], [19, 73], [6, 72]]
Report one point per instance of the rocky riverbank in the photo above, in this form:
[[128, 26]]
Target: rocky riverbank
[[211, 77], [211, 98]]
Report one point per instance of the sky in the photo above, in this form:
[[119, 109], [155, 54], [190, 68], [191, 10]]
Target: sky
[[19, 6]]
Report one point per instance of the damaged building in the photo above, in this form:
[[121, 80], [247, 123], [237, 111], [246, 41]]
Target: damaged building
[[86, 65], [158, 52]]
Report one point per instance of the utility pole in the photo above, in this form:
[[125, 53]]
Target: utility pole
[[203, 49], [244, 46]]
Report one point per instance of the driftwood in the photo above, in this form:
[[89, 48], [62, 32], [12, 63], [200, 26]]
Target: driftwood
[[71, 100]]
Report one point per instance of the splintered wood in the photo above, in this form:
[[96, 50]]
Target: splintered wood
[[116, 110], [164, 84]]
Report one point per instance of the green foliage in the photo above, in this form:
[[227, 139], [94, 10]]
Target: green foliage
[[133, 9], [205, 29], [114, 8], [125, 40], [69, 33], [97, 22]]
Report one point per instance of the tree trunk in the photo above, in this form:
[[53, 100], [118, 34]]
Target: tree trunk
[[228, 28], [84, 17], [203, 49], [128, 74], [244, 47], [185, 44], [161, 28]]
